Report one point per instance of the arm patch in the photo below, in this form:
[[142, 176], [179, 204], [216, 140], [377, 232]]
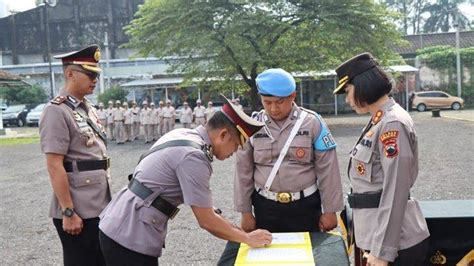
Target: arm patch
[[324, 141]]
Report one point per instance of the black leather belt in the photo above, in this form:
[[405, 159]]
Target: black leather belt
[[159, 203], [88, 165], [365, 200]]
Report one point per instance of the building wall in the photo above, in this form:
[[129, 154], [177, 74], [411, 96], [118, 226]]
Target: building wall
[[72, 24]]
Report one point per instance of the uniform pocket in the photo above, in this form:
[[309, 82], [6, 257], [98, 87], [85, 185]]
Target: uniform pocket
[[153, 217], [300, 150], [262, 151], [88, 178], [361, 166]]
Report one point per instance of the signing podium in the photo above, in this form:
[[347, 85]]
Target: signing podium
[[451, 225], [314, 248]]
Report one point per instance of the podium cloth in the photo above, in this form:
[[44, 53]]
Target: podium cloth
[[328, 249]]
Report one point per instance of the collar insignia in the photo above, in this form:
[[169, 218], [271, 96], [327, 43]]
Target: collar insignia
[[209, 152]]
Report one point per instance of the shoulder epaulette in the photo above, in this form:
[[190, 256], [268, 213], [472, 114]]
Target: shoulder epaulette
[[310, 111], [58, 100]]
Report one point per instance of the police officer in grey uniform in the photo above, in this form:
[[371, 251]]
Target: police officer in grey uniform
[[102, 114], [388, 223], [186, 116], [110, 120], [75, 146], [199, 114], [287, 188], [176, 170]]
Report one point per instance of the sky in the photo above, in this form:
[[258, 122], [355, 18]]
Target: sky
[[21, 5]]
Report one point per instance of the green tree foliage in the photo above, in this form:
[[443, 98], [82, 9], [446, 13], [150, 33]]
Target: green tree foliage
[[23, 95], [411, 13], [443, 59], [112, 94], [235, 40], [428, 16], [443, 15]]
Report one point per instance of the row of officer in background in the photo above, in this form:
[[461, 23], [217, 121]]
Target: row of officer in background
[[124, 124]]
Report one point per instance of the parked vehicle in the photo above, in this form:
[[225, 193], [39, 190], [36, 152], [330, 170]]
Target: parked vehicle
[[178, 112], [32, 118], [15, 115], [424, 100]]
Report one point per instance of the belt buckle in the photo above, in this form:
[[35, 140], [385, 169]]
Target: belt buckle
[[283, 197], [174, 213], [108, 163]]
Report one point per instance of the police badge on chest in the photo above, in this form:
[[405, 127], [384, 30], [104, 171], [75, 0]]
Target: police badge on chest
[[84, 128]]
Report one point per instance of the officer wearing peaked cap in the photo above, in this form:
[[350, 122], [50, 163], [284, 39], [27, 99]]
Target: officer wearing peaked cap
[[136, 120], [110, 120], [301, 191], [199, 114], [75, 146], [383, 166], [146, 121], [102, 113], [176, 170]]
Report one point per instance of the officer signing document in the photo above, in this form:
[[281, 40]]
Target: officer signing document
[[176, 170]]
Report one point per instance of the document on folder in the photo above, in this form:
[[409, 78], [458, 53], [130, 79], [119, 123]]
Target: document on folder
[[286, 249]]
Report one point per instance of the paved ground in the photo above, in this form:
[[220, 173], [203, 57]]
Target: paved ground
[[27, 236]]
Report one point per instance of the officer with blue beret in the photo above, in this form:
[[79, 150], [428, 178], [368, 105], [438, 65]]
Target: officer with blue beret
[[288, 173]]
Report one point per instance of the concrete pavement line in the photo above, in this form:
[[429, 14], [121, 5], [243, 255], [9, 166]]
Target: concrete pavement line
[[457, 118]]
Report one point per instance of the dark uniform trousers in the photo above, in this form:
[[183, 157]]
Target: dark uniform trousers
[[297, 216], [118, 255], [82, 249], [412, 256]]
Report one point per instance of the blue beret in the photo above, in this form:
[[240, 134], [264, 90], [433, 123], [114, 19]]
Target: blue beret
[[275, 82]]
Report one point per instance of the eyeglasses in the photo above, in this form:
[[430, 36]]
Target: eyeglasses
[[91, 75]]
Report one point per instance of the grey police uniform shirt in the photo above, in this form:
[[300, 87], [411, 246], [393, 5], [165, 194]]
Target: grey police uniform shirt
[[177, 174], [310, 159], [64, 131], [386, 159]]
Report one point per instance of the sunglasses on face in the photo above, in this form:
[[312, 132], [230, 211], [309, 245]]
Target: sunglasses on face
[[91, 75]]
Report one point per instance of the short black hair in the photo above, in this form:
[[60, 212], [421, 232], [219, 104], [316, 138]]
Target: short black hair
[[220, 120], [370, 86]]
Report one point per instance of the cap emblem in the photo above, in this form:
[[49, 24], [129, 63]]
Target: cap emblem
[[97, 55]]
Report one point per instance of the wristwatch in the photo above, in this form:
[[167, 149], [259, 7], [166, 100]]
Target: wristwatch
[[68, 212]]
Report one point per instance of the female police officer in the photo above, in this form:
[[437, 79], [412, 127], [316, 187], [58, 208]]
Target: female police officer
[[383, 166]]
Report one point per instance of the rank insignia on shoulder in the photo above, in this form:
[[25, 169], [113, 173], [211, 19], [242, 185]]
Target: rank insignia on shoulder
[[58, 100], [377, 117]]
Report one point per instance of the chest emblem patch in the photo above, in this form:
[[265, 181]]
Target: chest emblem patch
[[300, 153], [360, 167]]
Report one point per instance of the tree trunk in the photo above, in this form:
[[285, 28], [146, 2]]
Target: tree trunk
[[254, 97]]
